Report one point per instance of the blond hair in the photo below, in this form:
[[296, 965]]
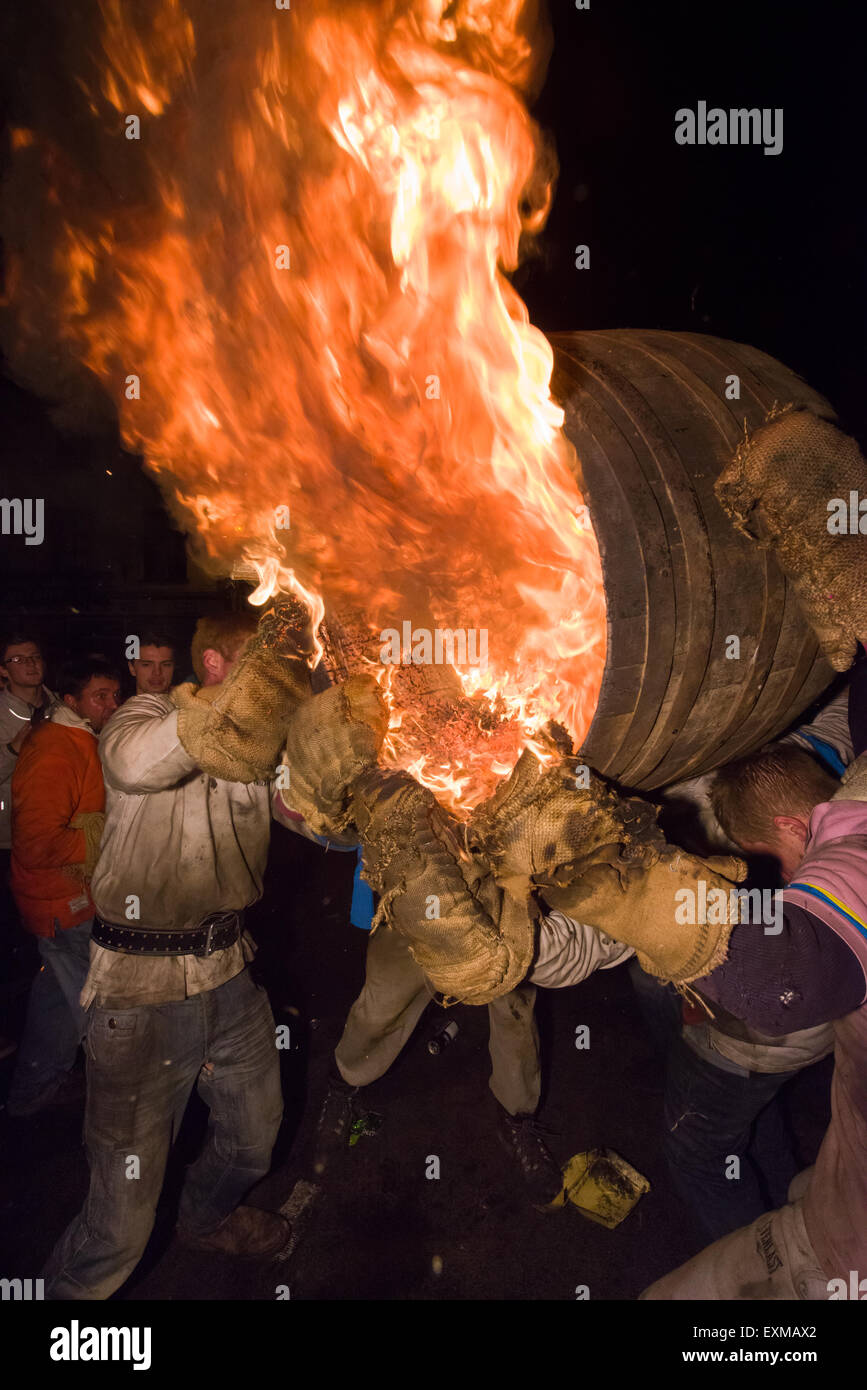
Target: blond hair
[[225, 633], [781, 780]]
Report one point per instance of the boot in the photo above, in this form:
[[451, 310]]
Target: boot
[[248, 1232], [335, 1122], [522, 1136]]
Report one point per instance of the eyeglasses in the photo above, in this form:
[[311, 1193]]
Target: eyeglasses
[[23, 661]]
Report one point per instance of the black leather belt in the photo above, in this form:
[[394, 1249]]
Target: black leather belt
[[215, 933]]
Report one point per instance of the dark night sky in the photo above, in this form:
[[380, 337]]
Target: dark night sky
[[764, 249], [768, 250]]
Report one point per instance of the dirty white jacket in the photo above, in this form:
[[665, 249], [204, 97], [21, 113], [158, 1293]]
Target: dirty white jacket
[[181, 843]]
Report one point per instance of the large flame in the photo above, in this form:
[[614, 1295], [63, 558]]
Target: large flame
[[304, 264]]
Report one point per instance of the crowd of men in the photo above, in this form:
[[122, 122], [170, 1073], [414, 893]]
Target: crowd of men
[[132, 869]]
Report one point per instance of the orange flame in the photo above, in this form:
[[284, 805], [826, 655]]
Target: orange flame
[[308, 281]]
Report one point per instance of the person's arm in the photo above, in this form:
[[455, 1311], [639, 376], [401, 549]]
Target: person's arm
[[797, 978], [45, 800], [827, 736], [283, 813], [858, 703], [14, 730], [140, 749], [568, 951]]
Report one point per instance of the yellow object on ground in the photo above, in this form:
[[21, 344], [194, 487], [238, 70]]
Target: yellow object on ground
[[602, 1185]]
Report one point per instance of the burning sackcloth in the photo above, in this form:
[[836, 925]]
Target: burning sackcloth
[[468, 895]]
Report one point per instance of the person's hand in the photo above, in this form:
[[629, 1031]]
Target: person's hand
[[93, 824], [234, 731], [209, 693], [657, 910]]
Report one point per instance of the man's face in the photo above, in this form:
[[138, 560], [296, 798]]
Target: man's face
[[786, 844], [97, 701], [153, 671], [24, 666]]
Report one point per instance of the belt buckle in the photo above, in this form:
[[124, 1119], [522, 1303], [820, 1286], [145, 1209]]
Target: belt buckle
[[208, 947]]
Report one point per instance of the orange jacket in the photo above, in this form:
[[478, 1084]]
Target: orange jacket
[[58, 774]]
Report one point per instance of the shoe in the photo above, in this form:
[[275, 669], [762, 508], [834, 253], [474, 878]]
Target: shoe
[[336, 1118], [248, 1232], [522, 1136], [66, 1090]]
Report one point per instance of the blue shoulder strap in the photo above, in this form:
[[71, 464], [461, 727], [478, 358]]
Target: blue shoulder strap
[[361, 909], [829, 755]]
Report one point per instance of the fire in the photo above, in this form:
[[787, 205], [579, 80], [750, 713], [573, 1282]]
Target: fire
[[298, 298]]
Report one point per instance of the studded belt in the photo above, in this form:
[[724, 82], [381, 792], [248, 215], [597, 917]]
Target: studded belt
[[215, 933]]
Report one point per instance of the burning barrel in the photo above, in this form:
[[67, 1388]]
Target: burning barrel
[[708, 652]]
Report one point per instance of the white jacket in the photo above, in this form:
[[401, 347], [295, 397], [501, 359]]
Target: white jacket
[[178, 844]]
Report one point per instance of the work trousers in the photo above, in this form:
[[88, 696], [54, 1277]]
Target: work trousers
[[394, 997], [772, 1258], [55, 1023], [142, 1064]]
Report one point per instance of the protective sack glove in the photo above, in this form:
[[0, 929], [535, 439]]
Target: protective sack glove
[[853, 786], [235, 731], [544, 826], [93, 824], [473, 940], [646, 908], [332, 738], [777, 490]]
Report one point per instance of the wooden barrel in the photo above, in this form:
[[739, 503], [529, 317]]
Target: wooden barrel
[[648, 415]]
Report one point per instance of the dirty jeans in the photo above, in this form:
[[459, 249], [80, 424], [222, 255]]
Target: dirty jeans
[[393, 1000], [142, 1064], [55, 1022], [770, 1259], [716, 1111]]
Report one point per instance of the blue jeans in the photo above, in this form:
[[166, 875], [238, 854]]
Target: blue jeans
[[661, 1007], [713, 1115], [142, 1065], [55, 1023]]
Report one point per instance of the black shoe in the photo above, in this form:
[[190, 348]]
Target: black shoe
[[336, 1118], [522, 1136]]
